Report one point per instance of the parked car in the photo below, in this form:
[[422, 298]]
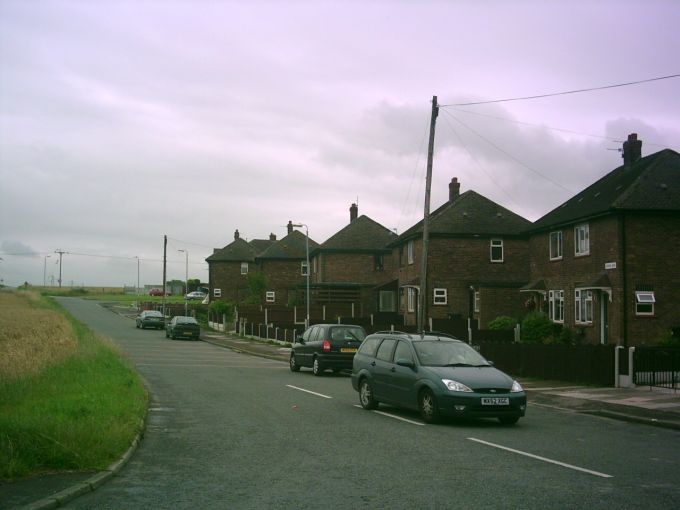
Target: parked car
[[326, 346], [435, 374], [183, 327], [196, 295], [150, 319], [159, 292]]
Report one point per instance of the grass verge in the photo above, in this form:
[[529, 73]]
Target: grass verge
[[79, 408]]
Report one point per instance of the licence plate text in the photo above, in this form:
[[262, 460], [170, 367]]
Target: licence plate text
[[348, 349], [495, 401]]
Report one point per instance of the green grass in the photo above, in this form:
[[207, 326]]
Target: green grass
[[81, 413]]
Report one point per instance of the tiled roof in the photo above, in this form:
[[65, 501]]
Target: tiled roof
[[651, 183], [362, 234], [470, 214], [237, 251], [260, 245], [293, 246]]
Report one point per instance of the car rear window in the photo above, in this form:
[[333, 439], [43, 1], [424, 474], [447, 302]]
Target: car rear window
[[154, 314], [186, 320], [347, 334]]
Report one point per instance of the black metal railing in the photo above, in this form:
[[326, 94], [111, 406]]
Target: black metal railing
[[657, 366]]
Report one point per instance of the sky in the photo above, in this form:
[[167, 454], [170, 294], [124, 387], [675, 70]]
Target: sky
[[125, 121]]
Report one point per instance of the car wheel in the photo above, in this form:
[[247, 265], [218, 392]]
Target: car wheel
[[366, 397], [317, 368], [427, 403], [294, 367], [508, 420]]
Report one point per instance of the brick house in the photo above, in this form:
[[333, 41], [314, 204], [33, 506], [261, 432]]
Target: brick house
[[478, 260], [284, 266], [606, 261], [228, 267], [351, 263]]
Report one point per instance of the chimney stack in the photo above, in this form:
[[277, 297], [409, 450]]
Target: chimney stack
[[272, 237], [236, 235], [290, 227], [353, 212], [632, 150], [454, 189]]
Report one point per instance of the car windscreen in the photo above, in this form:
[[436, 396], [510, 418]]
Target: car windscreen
[[438, 353], [347, 334]]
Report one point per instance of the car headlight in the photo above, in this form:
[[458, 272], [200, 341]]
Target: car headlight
[[455, 386], [516, 387]]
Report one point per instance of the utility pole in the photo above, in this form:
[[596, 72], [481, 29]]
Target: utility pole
[[165, 252], [61, 253], [422, 295], [45, 271]]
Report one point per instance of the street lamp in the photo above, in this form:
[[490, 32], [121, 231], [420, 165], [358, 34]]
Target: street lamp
[[45, 271], [186, 288], [307, 251]]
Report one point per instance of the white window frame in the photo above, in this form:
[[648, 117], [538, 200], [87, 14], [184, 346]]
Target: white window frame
[[556, 305], [583, 306], [439, 296], [496, 243], [644, 298], [410, 252], [217, 292], [559, 246], [244, 268], [411, 299], [303, 268], [582, 240], [270, 296], [477, 299]]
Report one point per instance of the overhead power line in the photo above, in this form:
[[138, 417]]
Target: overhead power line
[[564, 93]]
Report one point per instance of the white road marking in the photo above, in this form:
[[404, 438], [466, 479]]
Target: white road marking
[[544, 459], [395, 417], [307, 391]]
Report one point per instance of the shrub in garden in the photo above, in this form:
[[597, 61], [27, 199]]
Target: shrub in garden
[[536, 327], [221, 308], [503, 322]]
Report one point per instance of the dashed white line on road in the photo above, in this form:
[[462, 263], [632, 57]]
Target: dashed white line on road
[[308, 391], [544, 459], [382, 413]]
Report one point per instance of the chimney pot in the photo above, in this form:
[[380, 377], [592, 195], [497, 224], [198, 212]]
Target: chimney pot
[[290, 227], [632, 150], [353, 212], [272, 237], [236, 235], [454, 189]]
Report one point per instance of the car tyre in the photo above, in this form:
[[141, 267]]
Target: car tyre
[[294, 367], [366, 398], [317, 367], [427, 404], [508, 420]]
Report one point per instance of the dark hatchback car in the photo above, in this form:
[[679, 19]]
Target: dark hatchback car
[[150, 319], [436, 375], [326, 346], [183, 327]]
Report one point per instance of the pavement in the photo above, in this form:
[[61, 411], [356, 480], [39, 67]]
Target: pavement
[[657, 407]]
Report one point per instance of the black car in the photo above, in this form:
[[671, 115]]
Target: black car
[[183, 327], [150, 319], [435, 374], [325, 346]]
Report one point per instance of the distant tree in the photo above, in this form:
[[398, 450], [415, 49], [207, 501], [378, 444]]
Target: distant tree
[[193, 284], [221, 308], [257, 283]]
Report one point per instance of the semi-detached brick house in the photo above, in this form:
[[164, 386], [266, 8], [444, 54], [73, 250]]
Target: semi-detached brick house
[[352, 263], [606, 261], [478, 259]]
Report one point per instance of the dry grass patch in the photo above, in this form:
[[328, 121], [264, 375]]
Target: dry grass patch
[[32, 337]]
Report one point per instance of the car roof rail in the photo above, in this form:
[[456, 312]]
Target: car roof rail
[[441, 333], [391, 332]]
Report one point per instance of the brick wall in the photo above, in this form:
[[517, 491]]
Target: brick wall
[[227, 277], [352, 267], [283, 277]]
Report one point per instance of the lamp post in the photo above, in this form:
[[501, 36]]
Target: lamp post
[[45, 271], [186, 288], [307, 251]]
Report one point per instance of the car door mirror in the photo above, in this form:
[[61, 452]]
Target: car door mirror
[[300, 340], [403, 362]]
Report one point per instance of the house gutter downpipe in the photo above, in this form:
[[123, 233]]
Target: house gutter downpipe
[[422, 295]]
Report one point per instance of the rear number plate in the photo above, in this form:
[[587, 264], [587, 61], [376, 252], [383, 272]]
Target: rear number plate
[[495, 401], [348, 349]]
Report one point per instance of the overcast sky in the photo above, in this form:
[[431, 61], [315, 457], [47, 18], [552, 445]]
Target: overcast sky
[[121, 122]]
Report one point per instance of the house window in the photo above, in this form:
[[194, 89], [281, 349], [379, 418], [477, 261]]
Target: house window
[[497, 250], [387, 301], [556, 305], [270, 296], [378, 263], [440, 297], [410, 252], [556, 245], [244, 268], [411, 299], [477, 301], [303, 268], [582, 240], [217, 292], [583, 306], [644, 302]]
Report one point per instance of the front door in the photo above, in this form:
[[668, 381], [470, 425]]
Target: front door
[[604, 318]]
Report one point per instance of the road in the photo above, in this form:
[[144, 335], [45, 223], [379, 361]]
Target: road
[[227, 430]]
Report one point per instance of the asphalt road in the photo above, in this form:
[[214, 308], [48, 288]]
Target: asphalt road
[[227, 430]]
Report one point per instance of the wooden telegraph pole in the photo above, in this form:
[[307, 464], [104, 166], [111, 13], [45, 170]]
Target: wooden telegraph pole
[[165, 252], [422, 295]]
